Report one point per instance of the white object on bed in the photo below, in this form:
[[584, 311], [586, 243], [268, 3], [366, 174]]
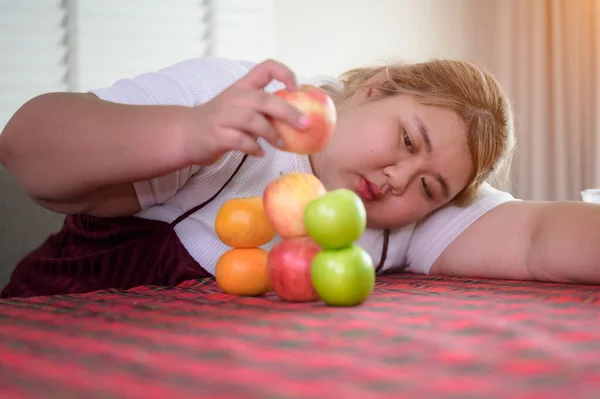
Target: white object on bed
[[591, 195]]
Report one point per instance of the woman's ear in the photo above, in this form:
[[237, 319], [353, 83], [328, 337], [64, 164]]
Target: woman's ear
[[367, 92], [373, 91], [371, 86]]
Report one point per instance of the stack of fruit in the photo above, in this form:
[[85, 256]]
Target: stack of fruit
[[317, 257]]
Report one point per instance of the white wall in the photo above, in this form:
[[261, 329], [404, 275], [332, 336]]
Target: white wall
[[331, 36]]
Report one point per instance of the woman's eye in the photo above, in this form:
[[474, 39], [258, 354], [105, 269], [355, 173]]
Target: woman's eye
[[426, 188], [407, 141]]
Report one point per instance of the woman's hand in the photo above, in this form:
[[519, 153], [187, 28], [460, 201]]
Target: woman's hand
[[236, 118]]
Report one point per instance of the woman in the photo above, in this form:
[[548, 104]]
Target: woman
[[143, 166]]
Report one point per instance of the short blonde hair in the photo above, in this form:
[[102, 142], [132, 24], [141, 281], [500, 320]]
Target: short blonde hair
[[463, 87]]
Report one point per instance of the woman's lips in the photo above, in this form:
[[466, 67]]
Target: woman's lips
[[368, 190]]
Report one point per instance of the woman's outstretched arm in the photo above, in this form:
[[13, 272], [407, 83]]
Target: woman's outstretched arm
[[545, 241]]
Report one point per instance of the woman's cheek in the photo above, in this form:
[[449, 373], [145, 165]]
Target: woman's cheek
[[408, 209], [383, 145]]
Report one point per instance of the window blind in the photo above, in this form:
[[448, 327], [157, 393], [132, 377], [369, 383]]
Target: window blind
[[77, 45], [116, 39], [243, 29], [33, 52]]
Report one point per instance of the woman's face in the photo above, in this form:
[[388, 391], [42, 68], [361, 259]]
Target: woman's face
[[403, 158]]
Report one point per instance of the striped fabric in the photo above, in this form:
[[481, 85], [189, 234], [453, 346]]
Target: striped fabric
[[415, 337]]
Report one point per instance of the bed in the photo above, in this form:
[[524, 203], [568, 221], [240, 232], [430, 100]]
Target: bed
[[416, 337]]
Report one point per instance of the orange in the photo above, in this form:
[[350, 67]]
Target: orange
[[243, 271], [243, 223]]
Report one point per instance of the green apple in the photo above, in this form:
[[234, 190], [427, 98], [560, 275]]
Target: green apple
[[336, 219], [343, 276]]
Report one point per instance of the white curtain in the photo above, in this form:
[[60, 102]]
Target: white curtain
[[546, 53], [76, 45], [552, 70]]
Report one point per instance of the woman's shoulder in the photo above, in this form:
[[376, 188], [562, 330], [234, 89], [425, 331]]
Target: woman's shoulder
[[192, 82], [456, 217], [189, 82], [433, 234], [487, 192], [217, 66]]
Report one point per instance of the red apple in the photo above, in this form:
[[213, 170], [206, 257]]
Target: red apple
[[288, 265], [320, 110], [285, 198]]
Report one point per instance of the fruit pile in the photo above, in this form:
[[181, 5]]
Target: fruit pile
[[316, 259]]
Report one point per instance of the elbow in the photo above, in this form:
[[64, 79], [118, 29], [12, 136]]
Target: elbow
[[15, 145], [11, 154], [13, 136], [3, 153], [6, 146], [17, 141], [534, 258], [540, 260]]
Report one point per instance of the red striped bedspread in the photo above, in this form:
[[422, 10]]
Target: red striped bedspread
[[416, 337]]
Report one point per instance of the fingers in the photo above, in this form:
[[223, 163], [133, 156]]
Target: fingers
[[244, 111], [274, 107], [234, 139], [262, 74], [254, 123]]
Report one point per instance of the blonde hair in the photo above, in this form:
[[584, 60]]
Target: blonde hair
[[461, 86]]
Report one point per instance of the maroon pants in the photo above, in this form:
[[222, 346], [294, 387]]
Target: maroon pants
[[91, 253]]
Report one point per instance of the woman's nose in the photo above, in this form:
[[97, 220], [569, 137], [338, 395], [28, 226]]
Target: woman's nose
[[399, 176]]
